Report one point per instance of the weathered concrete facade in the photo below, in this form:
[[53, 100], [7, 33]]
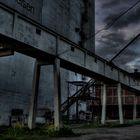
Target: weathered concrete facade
[[73, 19], [16, 72], [56, 50], [15, 85]]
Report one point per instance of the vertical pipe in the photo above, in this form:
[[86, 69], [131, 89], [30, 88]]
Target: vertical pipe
[[119, 90], [68, 111], [77, 109], [135, 108], [103, 115]]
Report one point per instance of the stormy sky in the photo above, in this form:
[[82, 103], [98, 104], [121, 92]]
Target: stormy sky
[[109, 42]]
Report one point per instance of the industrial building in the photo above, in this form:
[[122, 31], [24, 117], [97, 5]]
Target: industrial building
[[69, 19], [44, 45]]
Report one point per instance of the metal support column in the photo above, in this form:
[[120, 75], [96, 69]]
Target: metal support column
[[103, 115], [77, 109], [135, 108], [33, 105], [57, 95], [119, 91], [68, 111]]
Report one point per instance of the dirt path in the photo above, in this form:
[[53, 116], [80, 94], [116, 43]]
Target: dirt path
[[127, 133]]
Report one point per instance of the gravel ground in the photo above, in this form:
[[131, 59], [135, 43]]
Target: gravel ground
[[125, 133]]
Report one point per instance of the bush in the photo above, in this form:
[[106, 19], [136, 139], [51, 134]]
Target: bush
[[62, 132], [16, 130]]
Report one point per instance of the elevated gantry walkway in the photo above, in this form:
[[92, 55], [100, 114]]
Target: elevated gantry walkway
[[18, 33]]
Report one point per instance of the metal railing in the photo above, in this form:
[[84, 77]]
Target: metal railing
[[80, 93]]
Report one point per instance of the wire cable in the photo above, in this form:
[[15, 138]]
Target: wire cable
[[115, 20], [126, 46]]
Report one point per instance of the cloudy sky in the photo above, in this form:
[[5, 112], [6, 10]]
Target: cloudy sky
[[109, 42]]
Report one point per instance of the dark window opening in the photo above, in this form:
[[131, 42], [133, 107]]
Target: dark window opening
[[72, 49], [38, 31]]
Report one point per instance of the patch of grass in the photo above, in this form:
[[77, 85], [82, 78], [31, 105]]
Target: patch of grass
[[109, 124], [117, 125], [62, 132], [22, 133], [126, 124], [19, 132], [131, 122], [90, 125]]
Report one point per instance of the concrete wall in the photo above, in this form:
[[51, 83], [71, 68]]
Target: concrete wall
[[16, 72], [29, 8], [63, 17], [68, 17], [73, 19]]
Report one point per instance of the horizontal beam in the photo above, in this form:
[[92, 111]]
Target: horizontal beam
[[6, 52], [48, 46]]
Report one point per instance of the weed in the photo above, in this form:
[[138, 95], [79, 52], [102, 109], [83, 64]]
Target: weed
[[62, 132]]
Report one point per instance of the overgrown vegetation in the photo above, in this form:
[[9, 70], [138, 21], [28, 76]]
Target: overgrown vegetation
[[62, 132], [109, 124], [127, 123], [22, 133], [19, 132]]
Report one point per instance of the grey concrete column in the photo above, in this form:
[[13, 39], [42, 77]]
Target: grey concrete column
[[57, 94], [103, 115], [119, 90], [135, 108], [33, 105]]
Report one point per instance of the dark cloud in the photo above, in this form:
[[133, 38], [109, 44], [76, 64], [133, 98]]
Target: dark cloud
[[125, 57], [119, 3], [137, 65], [110, 3], [132, 17], [110, 44], [118, 38], [112, 40]]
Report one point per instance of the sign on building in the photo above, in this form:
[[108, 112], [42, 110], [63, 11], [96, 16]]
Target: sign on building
[[29, 8]]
